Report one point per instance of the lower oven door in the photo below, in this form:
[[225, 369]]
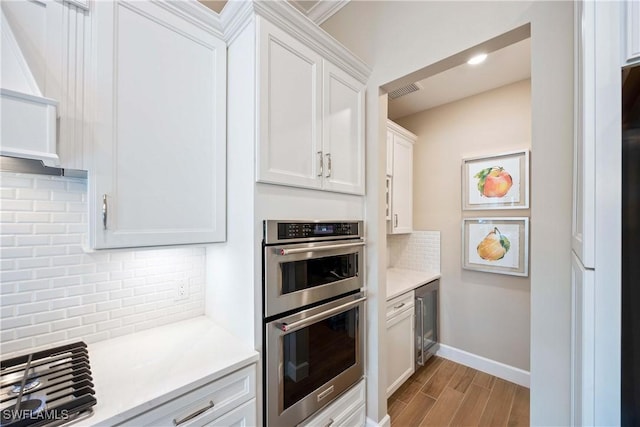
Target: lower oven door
[[312, 357]]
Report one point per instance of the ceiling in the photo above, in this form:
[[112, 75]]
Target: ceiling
[[504, 66]]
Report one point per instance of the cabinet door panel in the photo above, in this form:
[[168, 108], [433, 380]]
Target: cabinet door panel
[[582, 345], [343, 131], [289, 88], [160, 131], [402, 192], [400, 342]]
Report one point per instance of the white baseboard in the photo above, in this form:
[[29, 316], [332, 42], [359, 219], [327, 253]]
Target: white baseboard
[[500, 370], [385, 422]]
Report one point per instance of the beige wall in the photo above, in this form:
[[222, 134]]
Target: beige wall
[[396, 38], [482, 313]]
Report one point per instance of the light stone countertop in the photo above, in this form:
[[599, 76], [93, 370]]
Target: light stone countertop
[[134, 373], [400, 280]]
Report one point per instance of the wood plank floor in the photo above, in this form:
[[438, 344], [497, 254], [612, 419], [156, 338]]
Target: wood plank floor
[[445, 393]]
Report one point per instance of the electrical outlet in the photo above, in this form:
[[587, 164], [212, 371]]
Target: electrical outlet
[[182, 289]]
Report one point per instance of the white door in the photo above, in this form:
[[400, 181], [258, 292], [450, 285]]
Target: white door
[[343, 131], [400, 348], [289, 145], [158, 176], [402, 191]]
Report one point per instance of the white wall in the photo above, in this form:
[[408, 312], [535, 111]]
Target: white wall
[[481, 313], [397, 38]]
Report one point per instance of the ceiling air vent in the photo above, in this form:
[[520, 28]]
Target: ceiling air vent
[[404, 90]]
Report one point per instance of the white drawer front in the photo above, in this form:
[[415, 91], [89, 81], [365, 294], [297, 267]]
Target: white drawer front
[[208, 402], [356, 419], [400, 303], [243, 416], [341, 410]]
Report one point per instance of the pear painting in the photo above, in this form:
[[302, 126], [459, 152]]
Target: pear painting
[[494, 246], [494, 182]]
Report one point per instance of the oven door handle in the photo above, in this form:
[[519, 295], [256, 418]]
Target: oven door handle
[[290, 327], [292, 251]]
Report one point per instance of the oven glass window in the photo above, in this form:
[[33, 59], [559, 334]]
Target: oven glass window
[[316, 354], [299, 275]]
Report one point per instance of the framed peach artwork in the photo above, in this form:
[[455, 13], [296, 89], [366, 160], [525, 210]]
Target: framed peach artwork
[[496, 182], [496, 245]]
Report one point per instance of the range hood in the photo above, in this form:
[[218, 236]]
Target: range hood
[[29, 120]]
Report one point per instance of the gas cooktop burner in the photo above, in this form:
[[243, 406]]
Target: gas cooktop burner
[[47, 388]]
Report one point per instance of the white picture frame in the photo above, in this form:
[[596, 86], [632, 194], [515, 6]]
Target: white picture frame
[[499, 181], [496, 245]]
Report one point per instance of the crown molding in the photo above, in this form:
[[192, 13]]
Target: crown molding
[[325, 9], [238, 13], [196, 13], [235, 16]]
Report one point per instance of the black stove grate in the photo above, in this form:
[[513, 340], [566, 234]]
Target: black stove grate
[[46, 388]]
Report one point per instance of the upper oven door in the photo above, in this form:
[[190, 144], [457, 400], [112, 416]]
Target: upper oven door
[[300, 274]]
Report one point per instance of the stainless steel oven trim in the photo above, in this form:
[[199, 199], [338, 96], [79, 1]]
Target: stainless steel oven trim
[[323, 395], [271, 231], [276, 302]]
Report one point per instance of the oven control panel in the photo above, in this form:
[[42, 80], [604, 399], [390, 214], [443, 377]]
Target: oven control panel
[[305, 230]]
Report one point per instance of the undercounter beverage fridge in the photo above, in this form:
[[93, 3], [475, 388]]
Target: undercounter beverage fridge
[[426, 328], [630, 393]]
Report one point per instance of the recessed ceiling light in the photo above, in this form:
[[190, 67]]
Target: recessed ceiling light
[[477, 59]]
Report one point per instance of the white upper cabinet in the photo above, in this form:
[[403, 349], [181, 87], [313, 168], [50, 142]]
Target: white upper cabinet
[[158, 160], [632, 25], [343, 131], [290, 147], [311, 117], [401, 218]]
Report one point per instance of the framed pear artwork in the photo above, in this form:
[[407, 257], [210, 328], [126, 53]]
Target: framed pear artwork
[[496, 245], [496, 182]]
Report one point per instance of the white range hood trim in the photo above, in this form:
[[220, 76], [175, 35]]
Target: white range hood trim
[[29, 120]]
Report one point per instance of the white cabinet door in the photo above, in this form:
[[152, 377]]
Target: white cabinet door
[[158, 175], [582, 344], [400, 345], [343, 131], [632, 53], [290, 98], [402, 186]]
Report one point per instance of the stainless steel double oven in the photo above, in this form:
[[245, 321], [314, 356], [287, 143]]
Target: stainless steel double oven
[[313, 312]]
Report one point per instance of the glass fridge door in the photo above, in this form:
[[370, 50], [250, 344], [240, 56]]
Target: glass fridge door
[[426, 321]]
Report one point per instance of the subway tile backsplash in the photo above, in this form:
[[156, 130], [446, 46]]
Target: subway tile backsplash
[[419, 250], [52, 291]]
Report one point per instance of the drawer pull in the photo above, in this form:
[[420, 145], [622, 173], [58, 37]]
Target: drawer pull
[[398, 306], [329, 423], [177, 422]]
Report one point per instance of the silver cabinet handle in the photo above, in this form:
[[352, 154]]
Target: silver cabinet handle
[[398, 306], [421, 321], [328, 165], [290, 327], [321, 165], [395, 220], [178, 421], [318, 248], [104, 211]]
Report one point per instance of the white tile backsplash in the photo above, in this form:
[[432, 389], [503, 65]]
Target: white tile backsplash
[[419, 251], [54, 291]]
